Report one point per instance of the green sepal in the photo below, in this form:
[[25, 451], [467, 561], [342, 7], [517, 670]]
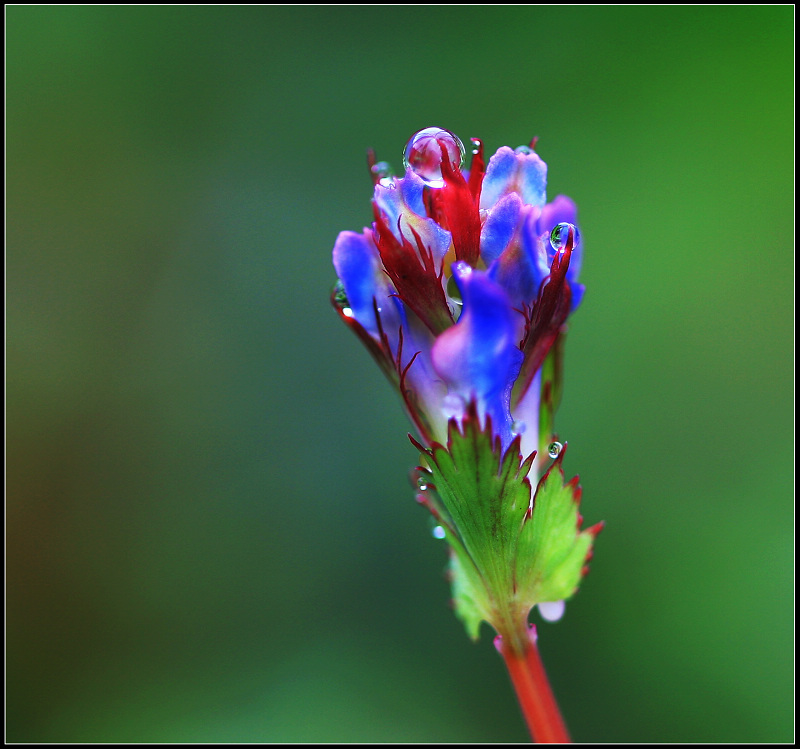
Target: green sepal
[[551, 387], [469, 594], [552, 550], [507, 553]]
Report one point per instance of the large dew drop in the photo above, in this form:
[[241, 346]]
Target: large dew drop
[[423, 154], [554, 450], [560, 235]]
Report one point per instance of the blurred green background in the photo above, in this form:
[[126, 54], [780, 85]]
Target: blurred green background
[[210, 531]]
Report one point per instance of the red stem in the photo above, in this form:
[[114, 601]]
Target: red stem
[[533, 691]]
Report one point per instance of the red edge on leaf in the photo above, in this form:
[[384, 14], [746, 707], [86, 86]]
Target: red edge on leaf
[[572, 484], [420, 447], [470, 427]]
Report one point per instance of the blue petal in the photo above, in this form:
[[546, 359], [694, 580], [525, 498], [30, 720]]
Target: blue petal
[[561, 208], [499, 175], [358, 266], [411, 188], [509, 171], [402, 205], [499, 227], [478, 357], [533, 179], [533, 246], [516, 272]]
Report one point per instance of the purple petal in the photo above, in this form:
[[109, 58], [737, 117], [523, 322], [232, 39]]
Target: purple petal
[[499, 175], [561, 208], [499, 227], [509, 171], [402, 206], [533, 179], [478, 357], [358, 266], [533, 244]]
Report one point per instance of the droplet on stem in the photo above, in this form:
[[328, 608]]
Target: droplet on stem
[[554, 449]]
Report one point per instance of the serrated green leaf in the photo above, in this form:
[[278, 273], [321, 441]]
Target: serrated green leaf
[[469, 592], [551, 385], [552, 551], [487, 496], [504, 559]]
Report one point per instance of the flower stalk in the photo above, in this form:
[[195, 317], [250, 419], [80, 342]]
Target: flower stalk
[[461, 290], [535, 696]]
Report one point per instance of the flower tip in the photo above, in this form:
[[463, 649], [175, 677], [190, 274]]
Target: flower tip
[[462, 270]]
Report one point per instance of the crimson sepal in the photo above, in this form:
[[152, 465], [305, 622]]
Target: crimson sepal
[[413, 273], [461, 212], [477, 170], [547, 317]]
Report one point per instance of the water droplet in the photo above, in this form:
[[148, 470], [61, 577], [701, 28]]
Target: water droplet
[[422, 484], [517, 427], [339, 294], [423, 153], [340, 298], [560, 234], [438, 532], [475, 145], [554, 450], [384, 172], [453, 292], [524, 150], [551, 611], [382, 169]]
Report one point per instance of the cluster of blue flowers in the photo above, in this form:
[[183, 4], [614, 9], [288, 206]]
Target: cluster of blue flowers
[[463, 284]]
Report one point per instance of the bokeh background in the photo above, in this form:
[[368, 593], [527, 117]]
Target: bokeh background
[[210, 531]]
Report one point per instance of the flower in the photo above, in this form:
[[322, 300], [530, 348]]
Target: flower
[[457, 289], [460, 290]]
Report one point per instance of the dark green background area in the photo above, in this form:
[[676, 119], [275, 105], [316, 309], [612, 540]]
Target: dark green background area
[[210, 531]]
